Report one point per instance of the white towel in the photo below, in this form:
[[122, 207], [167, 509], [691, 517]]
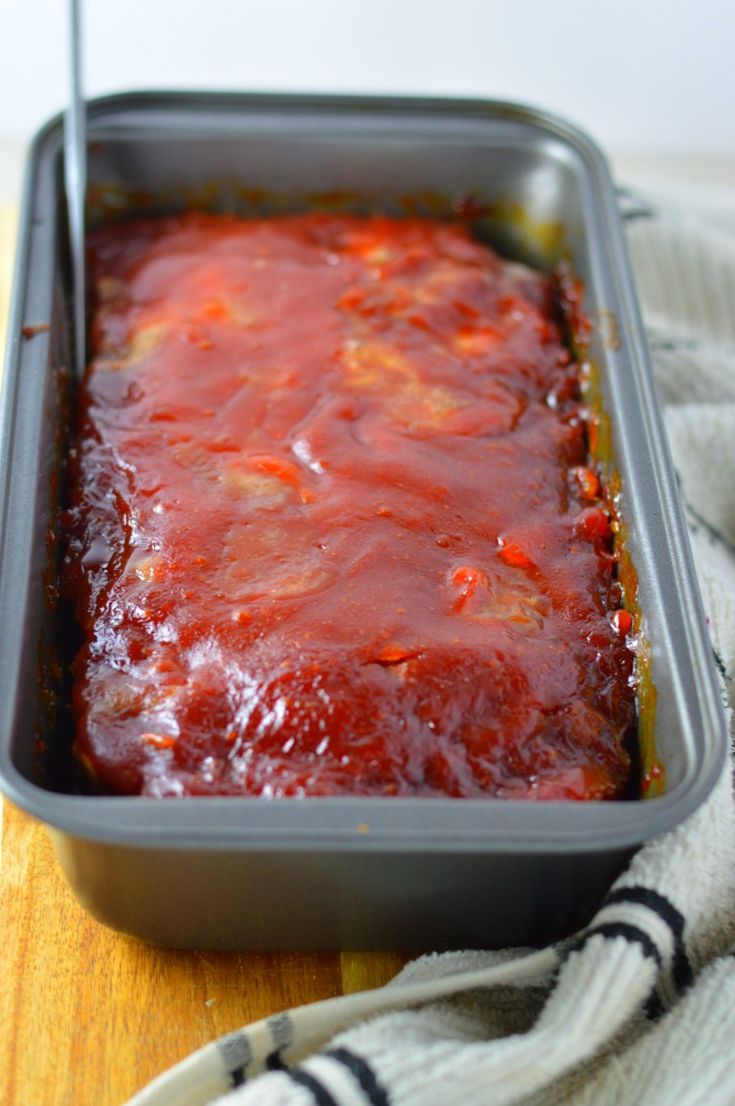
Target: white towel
[[639, 1009]]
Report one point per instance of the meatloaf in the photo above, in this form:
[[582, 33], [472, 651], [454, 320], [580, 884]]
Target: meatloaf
[[332, 524]]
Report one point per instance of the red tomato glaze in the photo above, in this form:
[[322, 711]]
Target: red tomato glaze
[[332, 529]]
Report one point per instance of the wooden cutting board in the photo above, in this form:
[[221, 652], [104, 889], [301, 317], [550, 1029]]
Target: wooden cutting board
[[88, 1016]]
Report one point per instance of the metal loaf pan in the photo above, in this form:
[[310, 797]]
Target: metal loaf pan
[[340, 873]]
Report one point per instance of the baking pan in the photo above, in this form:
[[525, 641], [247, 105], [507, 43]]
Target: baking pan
[[340, 873]]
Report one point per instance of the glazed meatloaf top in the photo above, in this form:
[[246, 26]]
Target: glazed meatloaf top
[[332, 525]]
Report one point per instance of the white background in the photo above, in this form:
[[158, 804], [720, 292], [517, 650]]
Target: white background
[[644, 76]]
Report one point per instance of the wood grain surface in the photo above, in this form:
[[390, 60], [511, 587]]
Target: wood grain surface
[[88, 1016]]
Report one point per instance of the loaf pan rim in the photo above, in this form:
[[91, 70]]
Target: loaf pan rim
[[60, 810]]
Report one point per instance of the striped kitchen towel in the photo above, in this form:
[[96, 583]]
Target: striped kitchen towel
[[640, 1008]]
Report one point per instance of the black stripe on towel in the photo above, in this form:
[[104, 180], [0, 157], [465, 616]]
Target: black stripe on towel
[[681, 970], [363, 1073], [721, 666], [280, 1027], [654, 1007], [275, 1062], [321, 1095], [235, 1053], [632, 934]]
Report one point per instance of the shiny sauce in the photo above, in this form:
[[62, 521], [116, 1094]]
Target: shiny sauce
[[332, 524]]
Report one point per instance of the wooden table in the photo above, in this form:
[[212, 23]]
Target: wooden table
[[88, 1016]]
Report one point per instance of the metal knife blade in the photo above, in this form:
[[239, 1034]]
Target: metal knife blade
[[75, 179]]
